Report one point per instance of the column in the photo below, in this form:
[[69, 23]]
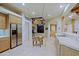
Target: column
[[62, 24], [73, 25]]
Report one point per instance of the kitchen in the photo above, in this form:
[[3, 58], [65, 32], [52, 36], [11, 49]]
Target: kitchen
[[10, 29]]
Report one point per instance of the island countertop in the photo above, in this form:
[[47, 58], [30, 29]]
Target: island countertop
[[72, 43]]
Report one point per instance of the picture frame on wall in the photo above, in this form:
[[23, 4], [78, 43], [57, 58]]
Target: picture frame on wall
[[40, 28]]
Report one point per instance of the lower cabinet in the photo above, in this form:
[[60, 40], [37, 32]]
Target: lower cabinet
[[4, 44]]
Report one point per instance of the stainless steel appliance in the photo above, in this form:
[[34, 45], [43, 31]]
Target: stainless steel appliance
[[15, 35]]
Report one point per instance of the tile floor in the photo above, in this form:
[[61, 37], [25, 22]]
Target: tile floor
[[48, 49]]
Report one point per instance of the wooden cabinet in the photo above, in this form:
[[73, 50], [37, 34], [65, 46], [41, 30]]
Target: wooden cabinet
[[3, 21], [14, 19], [4, 44]]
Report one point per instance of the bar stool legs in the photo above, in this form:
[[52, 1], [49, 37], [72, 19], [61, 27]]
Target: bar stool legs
[[37, 41]]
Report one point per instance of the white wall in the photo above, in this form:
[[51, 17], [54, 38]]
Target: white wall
[[54, 21], [68, 26], [77, 26], [58, 25], [57, 21], [49, 31], [26, 31]]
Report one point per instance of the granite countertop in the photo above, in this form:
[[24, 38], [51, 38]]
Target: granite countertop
[[4, 36], [69, 43]]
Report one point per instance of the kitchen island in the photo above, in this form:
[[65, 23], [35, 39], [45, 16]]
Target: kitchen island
[[68, 44]]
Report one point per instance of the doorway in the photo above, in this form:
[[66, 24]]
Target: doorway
[[53, 29]]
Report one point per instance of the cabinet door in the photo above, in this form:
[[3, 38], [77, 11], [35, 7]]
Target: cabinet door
[[14, 19], [3, 19]]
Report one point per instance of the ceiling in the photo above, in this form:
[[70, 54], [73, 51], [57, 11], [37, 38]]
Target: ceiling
[[46, 10], [12, 7]]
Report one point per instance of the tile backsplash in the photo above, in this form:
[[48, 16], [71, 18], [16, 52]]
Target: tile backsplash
[[4, 32]]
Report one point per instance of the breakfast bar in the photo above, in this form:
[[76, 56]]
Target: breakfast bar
[[68, 44]]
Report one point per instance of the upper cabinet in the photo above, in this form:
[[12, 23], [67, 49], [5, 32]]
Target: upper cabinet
[[3, 21], [6, 19], [14, 19]]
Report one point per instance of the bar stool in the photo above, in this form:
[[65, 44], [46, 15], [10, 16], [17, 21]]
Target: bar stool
[[38, 41]]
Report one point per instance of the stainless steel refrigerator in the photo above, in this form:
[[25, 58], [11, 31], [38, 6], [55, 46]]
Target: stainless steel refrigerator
[[15, 35]]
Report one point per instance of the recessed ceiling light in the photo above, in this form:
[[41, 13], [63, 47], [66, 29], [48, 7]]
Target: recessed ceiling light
[[23, 4], [61, 6]]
